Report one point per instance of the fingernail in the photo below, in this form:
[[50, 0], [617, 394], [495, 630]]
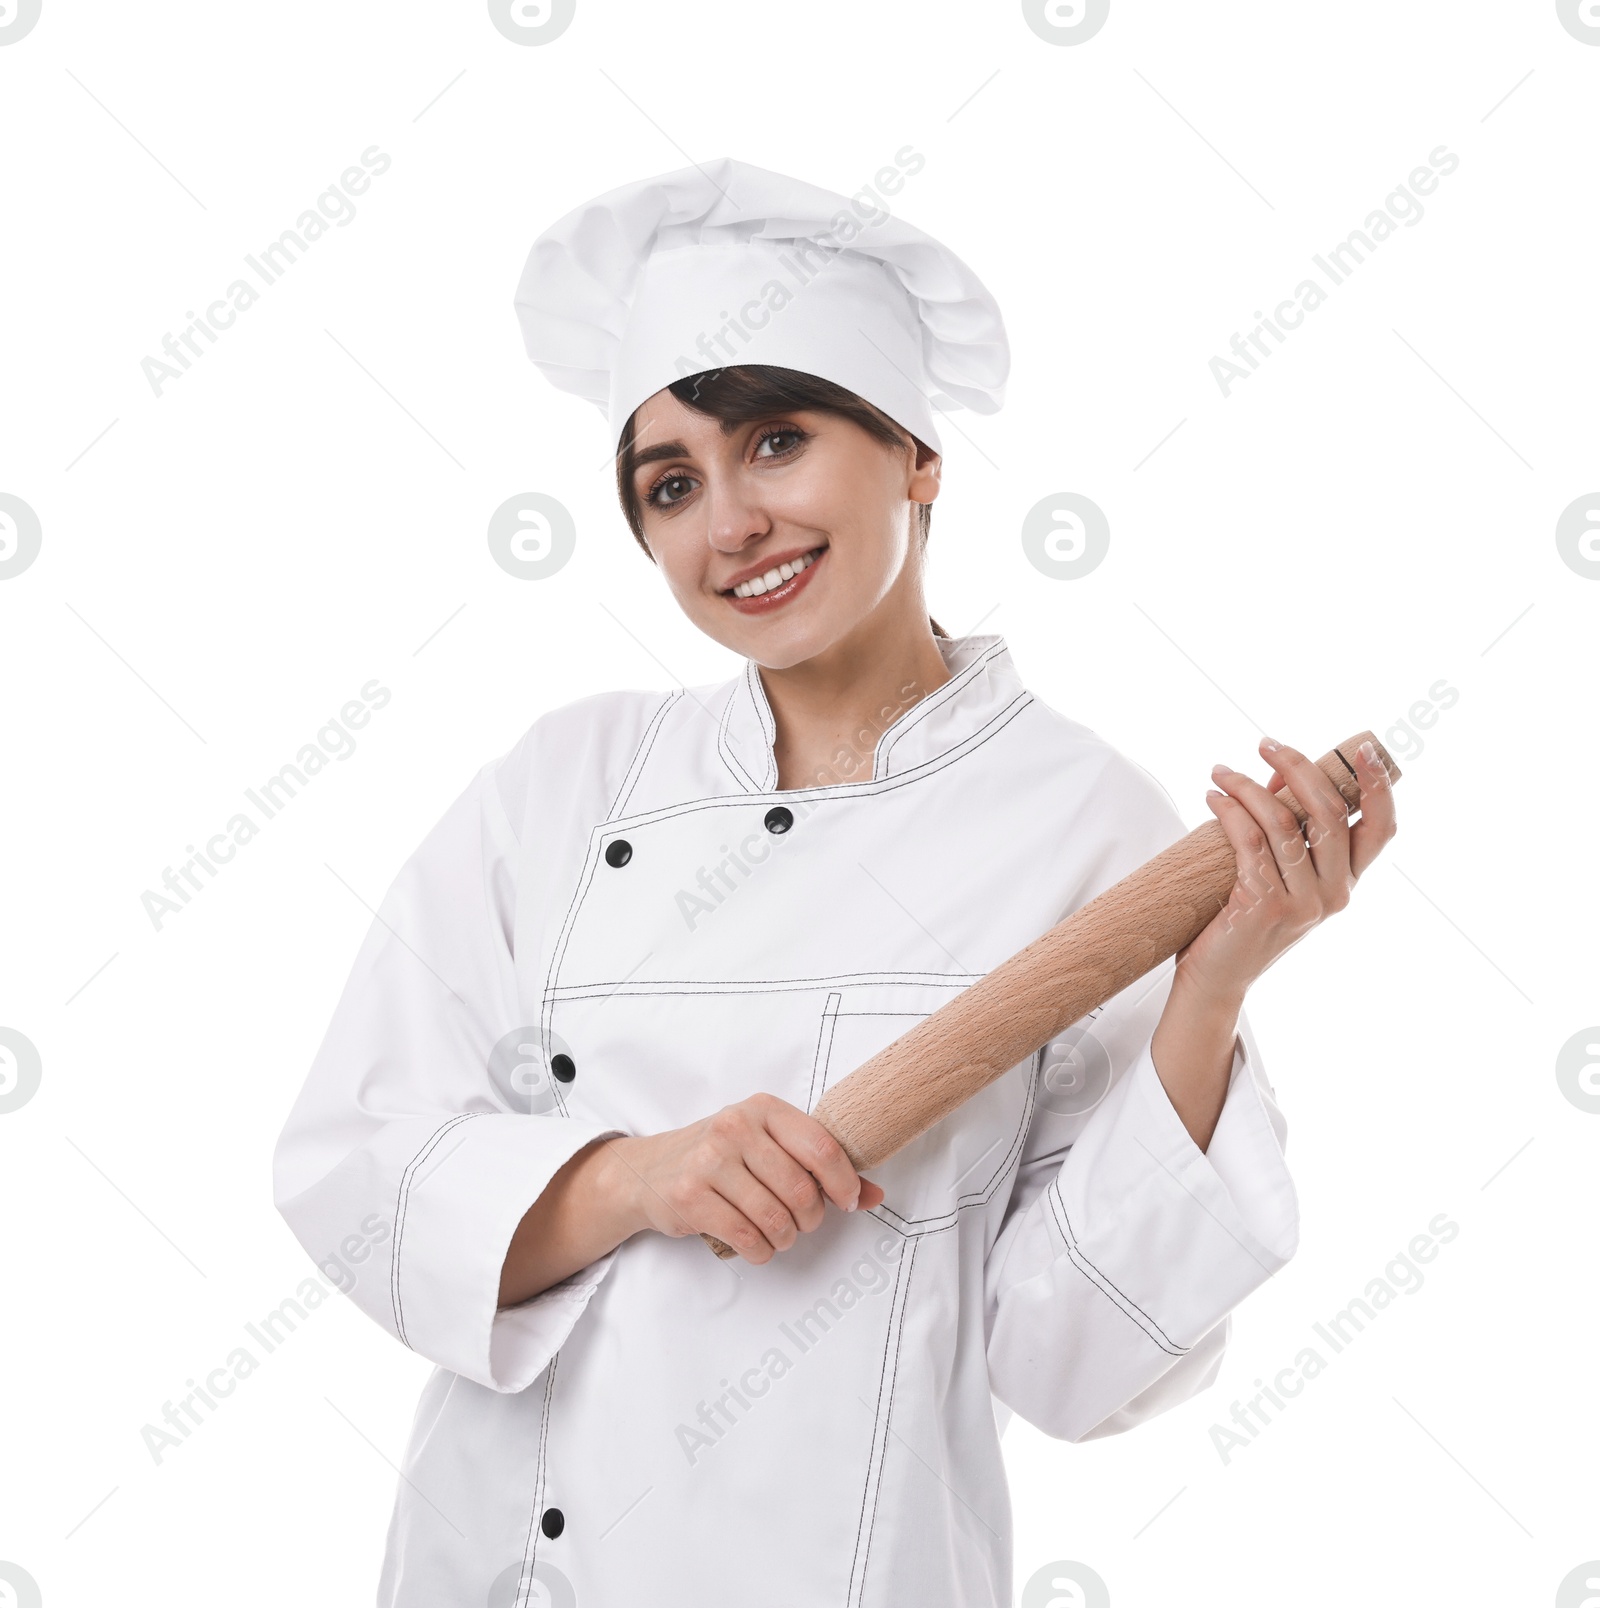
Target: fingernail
[[1271, 744], [1211, 792], [1368, 753], [1220, 770], [854, 1203]]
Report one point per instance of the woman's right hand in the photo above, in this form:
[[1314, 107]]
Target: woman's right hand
[[755, 1175]]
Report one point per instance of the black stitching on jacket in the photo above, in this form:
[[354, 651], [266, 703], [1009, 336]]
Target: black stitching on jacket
[[641, 754], [1128, 1307], [834, 791], [530, 1547], [819, 1060], [401, 1202], [937, 699], [765, 985], [729, 758], [887, 1373]]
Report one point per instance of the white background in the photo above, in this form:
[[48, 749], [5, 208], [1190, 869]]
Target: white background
[[223, 566]]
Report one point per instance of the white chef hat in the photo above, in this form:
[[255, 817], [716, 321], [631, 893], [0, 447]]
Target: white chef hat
[[727, 263]]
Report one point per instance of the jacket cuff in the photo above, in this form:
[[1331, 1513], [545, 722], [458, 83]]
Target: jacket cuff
[[459, 1204], [1174, 1236], [1246, 1154]]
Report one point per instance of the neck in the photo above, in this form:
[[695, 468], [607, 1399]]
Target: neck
[[831, 709]]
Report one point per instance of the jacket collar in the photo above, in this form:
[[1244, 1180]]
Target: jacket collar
[[983, 684]]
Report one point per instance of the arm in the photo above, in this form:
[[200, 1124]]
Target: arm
[[400, 1169], [1289, 880], [756, 1175], [1125, 1246], [1132, 1233]]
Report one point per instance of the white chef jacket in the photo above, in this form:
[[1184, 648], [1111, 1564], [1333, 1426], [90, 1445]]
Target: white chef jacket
[[618, 890]]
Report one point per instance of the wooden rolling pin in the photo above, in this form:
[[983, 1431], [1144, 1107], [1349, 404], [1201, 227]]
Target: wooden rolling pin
[[1026, 1001]]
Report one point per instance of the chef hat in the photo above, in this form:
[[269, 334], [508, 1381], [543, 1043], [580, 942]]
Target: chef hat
[[727, 263]]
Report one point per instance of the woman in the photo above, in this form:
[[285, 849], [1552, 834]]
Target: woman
[[605, 993]]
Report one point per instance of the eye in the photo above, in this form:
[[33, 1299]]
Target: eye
[[673, 478], [675, 485], [780, 432]]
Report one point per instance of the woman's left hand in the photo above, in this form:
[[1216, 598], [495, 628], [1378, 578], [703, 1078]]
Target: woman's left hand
[[1289, 877]]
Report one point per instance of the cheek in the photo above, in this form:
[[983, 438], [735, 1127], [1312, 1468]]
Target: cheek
[[682, 563], [874, 551], [845, 507], [813, 501]]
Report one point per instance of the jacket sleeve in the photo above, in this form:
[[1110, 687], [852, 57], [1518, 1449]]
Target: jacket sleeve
[[402, 1169], [1124, 1247]]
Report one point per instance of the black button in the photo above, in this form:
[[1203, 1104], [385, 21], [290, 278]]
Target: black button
[[778, 819], [552, 1523], [562, 1070], [618, 851]]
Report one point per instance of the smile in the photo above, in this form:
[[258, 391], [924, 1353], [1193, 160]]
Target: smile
[[776, 586]]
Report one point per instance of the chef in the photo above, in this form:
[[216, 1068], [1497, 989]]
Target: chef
[[602, 997]]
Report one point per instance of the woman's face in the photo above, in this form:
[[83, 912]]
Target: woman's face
[[798, 488]]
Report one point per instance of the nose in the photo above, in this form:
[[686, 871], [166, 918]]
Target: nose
[[734, 516]]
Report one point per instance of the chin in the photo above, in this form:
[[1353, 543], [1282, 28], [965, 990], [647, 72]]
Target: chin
[[785, 658], [785, 648], [779, 641]]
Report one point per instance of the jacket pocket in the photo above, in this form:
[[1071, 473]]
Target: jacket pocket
[[963, 1157]]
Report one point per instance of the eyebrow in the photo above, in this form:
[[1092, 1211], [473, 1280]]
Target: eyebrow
[[676, 449], [667, 449]]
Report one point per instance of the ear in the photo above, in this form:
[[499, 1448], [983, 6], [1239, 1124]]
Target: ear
[[925, 475]]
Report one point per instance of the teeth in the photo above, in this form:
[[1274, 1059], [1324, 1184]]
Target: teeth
[[776, 576]]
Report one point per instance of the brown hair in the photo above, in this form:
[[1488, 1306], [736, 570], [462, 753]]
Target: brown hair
[[746, 392]]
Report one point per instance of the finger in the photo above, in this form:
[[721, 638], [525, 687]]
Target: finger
[[817, 1151], [1377, 824], [717, 1216], [1277, 825], [787, 1180], [751, 1198], [871, 1195], [1327, 829], [1257, 868]]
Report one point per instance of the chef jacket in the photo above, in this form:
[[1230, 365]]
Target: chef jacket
[[623, 925]]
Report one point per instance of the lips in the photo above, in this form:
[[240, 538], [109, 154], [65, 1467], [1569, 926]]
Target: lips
[[780, 588]]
